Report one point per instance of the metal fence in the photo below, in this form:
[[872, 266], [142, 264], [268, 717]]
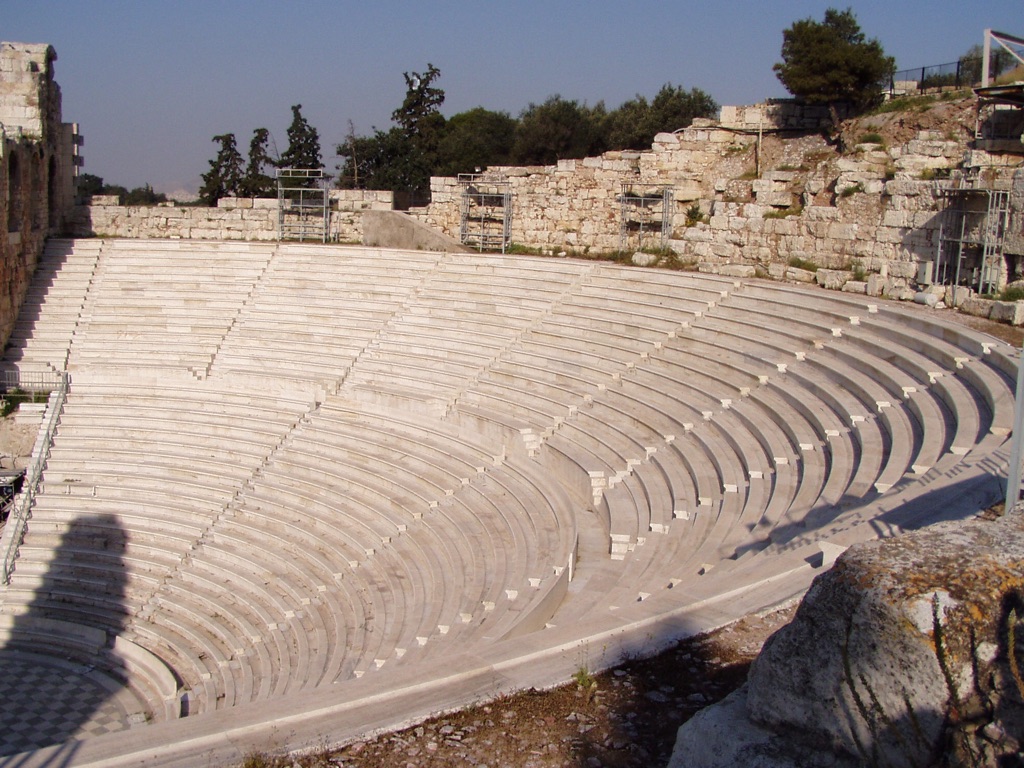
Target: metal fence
[[954, 75], [14, 531]]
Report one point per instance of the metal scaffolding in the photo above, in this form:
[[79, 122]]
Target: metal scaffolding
[[486, 212], [971, 232], [303, 204], [645, 215]]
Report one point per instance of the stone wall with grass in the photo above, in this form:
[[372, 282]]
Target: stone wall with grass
[[759, 191], [763, 191]]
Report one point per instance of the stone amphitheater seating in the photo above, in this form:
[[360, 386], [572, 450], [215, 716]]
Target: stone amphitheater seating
[[325, 463]]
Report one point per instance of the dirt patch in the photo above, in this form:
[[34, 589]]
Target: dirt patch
[[624, 718], [17, 438]]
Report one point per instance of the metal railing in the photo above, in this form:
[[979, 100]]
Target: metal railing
[[953, 75], [14, 531]]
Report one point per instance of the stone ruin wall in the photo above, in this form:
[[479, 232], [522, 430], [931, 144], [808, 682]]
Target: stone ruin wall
[[38, 162], [867, 207], [234, 218], [769, 189]]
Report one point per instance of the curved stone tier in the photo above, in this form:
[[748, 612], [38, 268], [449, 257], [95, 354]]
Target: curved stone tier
[[293, 469]]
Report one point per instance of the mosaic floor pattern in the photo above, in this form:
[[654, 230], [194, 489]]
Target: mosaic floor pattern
[[46, 701]]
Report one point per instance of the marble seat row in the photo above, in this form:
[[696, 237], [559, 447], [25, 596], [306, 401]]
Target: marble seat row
[[358, 459]]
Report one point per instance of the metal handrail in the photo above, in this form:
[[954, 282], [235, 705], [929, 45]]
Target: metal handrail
[[14, 532]]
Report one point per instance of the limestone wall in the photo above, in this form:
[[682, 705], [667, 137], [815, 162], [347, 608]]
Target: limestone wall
[[741, 197], [868, 205], [29, 97], [233, 218], [745, 197], [777, 114]]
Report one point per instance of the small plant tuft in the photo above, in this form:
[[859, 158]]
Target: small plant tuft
[[584, 679], [851, 191], [694, 215], [1012, 293], [871, 138], [799, 263], [784, 213]]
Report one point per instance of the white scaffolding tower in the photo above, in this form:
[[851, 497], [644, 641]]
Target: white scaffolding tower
[[971, 234], [485, 212], [645, 216], [303, 204]]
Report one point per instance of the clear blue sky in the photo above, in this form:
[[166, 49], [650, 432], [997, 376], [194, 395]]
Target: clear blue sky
[[151, 82]]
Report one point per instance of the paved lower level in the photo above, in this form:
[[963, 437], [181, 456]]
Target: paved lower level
[[46, 701]]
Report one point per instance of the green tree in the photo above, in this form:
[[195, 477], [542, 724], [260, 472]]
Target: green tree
[[400, 159], [475, 139], [635, 123], [143, 195], [831, 61], [420, 113], [380, 161], [90, 184], [303, 144], [558, 129], [225, 174], [421, 123], [255, 182]]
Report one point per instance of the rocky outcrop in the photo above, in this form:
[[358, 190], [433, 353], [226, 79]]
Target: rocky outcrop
[[905, 653]]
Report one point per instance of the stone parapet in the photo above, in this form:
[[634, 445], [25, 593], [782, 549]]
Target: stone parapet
[[232, 219]]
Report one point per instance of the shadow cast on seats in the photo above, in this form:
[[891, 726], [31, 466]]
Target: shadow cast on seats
[[61, 683], [958, 500]]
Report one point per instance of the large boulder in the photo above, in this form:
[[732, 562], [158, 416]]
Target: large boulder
[[898, 656]]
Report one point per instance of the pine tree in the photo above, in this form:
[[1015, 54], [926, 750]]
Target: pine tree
[[831, 62], [303, 144], [225, 174], [256, 183]]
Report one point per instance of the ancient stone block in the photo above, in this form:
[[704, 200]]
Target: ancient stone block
[[876, 284], [1011, 312], [737, 270], [800, 275], [777, 199], [821, 213], [977, 307]]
